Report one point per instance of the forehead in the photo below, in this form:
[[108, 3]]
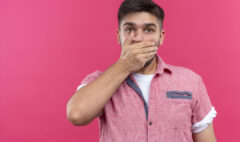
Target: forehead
[[140, 18]]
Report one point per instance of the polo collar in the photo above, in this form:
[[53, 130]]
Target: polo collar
[[161, 68], [161, 65]]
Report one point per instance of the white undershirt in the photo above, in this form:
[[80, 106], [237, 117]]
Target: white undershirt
[[144, 82]]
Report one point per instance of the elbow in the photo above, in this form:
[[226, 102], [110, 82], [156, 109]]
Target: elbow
[[74, 119], [77, 116], [77, 119]]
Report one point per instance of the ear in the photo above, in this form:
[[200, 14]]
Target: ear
[[118, 35], [162, 35]]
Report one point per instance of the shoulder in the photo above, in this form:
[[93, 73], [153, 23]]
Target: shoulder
[[184, 73]]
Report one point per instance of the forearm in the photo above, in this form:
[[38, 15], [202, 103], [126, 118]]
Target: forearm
[[206, 135], [89, 101]]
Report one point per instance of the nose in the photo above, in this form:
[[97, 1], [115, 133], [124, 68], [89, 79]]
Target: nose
[[138, 36]]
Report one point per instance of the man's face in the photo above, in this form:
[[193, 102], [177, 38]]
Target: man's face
[[145, 26]]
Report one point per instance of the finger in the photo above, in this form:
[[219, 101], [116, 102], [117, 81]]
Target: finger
[[148, 49], [144, 44], [148, 55]]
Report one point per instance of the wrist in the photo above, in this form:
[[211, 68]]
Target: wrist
[[122, 66]]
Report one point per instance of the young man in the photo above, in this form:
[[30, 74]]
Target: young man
[[140, 97]]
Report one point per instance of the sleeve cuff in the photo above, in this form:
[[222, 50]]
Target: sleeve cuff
[[200, 126], [80, 86]]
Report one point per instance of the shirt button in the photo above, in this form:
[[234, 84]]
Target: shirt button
[[150, 123]]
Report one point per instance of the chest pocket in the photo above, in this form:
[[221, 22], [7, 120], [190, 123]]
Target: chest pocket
[[179, 95], [179, 109]]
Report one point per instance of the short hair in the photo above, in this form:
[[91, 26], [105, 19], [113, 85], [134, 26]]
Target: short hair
[[131, 6]]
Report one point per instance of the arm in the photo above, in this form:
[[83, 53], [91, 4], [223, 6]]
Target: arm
[[207, 135], [88, 102]]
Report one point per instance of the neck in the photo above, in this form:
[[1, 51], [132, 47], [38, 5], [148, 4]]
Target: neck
[[149, 69]]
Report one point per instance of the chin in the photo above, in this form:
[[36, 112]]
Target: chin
[[149, 61]]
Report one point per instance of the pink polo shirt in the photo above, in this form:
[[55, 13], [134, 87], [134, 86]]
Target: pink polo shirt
[[178, 103]]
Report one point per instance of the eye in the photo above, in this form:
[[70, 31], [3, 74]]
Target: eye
[[148, 30], [129, 30]]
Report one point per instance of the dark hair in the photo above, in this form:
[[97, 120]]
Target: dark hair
[[130, 6]]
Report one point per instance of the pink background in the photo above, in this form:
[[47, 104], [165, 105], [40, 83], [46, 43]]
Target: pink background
[[47, 47]]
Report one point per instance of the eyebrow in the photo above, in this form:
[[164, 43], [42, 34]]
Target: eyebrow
[[132, 24]]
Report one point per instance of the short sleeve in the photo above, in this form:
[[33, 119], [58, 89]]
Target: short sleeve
[[203, 111], [89, 78], [80, 86]]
